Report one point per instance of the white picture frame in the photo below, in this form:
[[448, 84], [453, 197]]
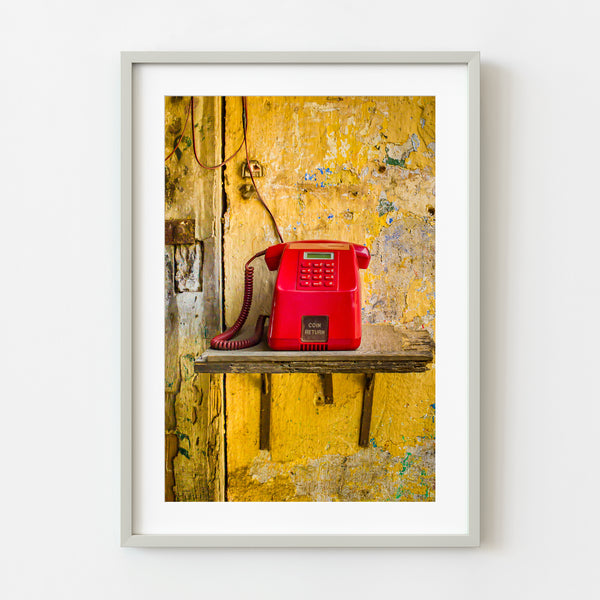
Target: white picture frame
[[465, 369]]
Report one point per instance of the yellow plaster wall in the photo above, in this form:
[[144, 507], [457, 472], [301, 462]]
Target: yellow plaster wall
[[355, 169]]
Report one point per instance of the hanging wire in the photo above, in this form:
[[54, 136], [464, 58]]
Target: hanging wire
[[244, 143]]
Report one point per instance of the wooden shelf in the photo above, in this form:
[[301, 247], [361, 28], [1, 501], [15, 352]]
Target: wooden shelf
[[384, 349]]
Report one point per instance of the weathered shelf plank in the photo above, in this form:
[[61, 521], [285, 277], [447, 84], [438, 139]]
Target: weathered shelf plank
[[384, 349]]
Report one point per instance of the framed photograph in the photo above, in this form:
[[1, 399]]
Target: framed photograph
[[300, 299]]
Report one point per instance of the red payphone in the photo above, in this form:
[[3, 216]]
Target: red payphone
[[316, 303]]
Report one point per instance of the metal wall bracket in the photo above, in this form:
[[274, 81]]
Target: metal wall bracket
[[265, 412], [327, 385], [367, 410]]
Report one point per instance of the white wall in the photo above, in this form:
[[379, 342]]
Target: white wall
[[59, 320]]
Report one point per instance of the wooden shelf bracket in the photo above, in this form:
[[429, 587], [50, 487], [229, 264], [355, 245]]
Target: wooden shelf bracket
[[327, 386], [367, 410], [265, 412]]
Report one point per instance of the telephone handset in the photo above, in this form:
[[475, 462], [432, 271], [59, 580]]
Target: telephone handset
[[316, 302]]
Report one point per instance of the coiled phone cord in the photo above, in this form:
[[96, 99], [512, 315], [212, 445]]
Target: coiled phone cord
[[223, 341]]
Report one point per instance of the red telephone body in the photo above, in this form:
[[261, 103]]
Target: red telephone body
[[316, 303]]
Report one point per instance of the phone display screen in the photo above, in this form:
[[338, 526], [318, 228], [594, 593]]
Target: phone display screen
[[318, 256]]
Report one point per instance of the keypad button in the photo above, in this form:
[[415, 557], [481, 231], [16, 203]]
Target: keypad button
[[328, 277], [305, 264], [317, 270], [317, 277], [329, 283], [305, 283], [317, 283], [307, 276], [328, 270], [317, 264], [305, 270]]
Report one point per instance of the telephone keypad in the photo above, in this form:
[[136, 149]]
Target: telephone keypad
[[312, 274]]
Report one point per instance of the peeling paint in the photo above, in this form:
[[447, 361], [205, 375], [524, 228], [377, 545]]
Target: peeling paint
[[367, 475], [384, 205]]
